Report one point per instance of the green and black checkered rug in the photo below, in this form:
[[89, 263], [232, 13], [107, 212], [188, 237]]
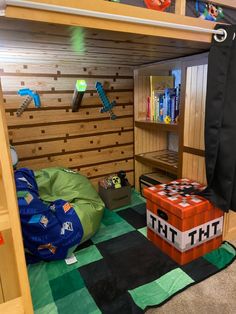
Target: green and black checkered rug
[[119, 270]]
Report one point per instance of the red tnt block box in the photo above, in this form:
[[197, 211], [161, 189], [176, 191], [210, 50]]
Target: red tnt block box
[[181, 223]]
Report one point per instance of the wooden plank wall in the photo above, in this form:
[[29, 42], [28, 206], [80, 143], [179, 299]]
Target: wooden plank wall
[[87, 140], [194, 116], [195, 106]]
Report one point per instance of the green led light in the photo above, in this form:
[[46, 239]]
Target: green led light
[[81, 85]]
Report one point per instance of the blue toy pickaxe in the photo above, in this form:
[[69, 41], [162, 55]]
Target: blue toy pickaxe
[[107, 106], [31, 95]]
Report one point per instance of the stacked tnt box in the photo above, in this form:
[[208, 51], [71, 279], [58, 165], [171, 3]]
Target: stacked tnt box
[[164, 101], [115, 190]]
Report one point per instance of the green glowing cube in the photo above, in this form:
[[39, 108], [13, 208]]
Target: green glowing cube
[[81, 85]]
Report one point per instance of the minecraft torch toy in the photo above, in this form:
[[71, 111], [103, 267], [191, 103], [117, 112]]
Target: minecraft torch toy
[[80, 88]]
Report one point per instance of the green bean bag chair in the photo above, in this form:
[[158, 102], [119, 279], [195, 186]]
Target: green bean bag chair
[[59, 183]]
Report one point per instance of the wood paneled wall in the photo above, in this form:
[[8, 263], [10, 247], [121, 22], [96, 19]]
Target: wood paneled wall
[[87, 140], [194, 117], [194, 167], [196, 82]]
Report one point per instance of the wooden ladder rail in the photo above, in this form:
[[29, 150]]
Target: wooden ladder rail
[[15, 294]]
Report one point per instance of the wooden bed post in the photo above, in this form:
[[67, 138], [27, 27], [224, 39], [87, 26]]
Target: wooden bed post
[[15, 294], [180, 7]]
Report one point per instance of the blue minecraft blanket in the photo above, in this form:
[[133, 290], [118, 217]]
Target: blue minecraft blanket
[[49, 230]]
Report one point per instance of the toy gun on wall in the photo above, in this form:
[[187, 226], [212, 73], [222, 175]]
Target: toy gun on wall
[[107, 106], [31, 95]]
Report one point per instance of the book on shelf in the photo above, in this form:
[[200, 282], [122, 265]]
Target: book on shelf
[[158, 84], [163, 103]]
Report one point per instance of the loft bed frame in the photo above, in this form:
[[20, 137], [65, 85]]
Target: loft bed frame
[[14, 284], [44, 13]]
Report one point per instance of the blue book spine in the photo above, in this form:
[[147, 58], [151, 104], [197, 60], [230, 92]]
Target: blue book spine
[[172, 114], [156, 105], [177, 101], [161, 105], [165, 103]]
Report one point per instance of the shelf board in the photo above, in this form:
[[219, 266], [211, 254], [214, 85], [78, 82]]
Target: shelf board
[[4, 219], [172, 127], [13, 306], [163, 159]]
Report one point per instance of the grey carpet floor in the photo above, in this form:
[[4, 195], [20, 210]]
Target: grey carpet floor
[[215, 295]]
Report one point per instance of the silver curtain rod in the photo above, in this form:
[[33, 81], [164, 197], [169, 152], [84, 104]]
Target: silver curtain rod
[[108, 16]]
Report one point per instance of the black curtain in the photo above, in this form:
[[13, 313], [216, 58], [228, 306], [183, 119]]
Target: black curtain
[[220, 121]]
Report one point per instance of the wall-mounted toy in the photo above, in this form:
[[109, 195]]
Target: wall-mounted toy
[[209, 11], [31, 95], [80, 88], [107, 105], [159, 5]]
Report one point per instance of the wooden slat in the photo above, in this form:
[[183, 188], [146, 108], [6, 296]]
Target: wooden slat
[[46, 132], [10, 83], [91, 51], [43, 116], [8, 268], [49, 42], [229, 230], [59, 69], [172, 127], [107, 168], [195, 106], [13, 306], [14, 278], [45, 35], [73, 144], [203, 107], [194, 151], [4, 219], [93, 58], [1, 293], [80, 159], [180, 7], [194, 167]]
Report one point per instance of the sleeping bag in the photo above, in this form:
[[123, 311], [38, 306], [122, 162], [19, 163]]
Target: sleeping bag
[[55, 216]]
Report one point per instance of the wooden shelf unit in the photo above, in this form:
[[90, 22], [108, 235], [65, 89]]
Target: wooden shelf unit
[[153, 138]]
